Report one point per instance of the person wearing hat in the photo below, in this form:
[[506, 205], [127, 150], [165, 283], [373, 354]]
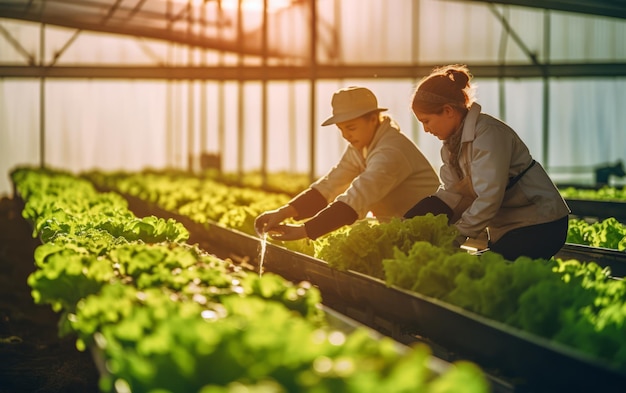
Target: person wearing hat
[[381, 171]]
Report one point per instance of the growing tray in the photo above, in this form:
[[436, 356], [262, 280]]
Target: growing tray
[[533, 363], [599, 209], [606, 257]]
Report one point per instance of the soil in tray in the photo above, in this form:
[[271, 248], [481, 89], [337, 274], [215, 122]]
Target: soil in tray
[[33, 358]]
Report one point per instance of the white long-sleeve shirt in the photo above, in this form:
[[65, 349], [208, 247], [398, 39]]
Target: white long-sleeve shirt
[[388, 178]]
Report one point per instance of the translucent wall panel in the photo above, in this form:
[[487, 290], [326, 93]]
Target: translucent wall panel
[[108, 125], [19, 127], [435, 31], [148, 124], [578, 38], [587, 125], [432, 31], [124, 124]]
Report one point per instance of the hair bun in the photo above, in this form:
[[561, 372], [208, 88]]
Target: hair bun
[[458, 76]]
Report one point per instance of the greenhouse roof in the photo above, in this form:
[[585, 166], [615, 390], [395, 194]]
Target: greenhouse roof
[[171, 20], [281, 37], [198, 23]]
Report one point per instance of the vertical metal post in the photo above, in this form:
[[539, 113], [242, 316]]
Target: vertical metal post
[[191, 158], [293, 138], [264, 97], [169, 101], [313, 86], [221, 145], [42, 97], [415, 54], [203, 90], [504, 37], [545, 126], [240, 91]]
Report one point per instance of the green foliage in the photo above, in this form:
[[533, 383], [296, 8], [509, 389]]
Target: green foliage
[[567, 301], [605, 193], [168, 317], [66, 277], [608, 233], [364, 245], [60, 204], [574, 303]]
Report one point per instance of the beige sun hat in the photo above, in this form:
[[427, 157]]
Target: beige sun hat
[[351, 102]]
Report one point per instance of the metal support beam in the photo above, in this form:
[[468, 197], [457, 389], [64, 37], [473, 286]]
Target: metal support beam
[[168, 34], [278, 73], [42, 98], [611, 8], [60, 52], [16, 45], [240, 92], [264, 98], [545, 117]]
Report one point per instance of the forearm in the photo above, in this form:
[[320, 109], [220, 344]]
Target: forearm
[[307, 204], [333, 217]]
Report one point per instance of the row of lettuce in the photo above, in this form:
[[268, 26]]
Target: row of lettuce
[[604, 193], [162, 316], [606, 233], [570, 302]]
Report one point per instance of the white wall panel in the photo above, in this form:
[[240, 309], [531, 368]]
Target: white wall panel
[[124, 124]]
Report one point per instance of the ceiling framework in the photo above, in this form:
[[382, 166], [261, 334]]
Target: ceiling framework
[[204, 24], [216, 25], [211, 25], [611, 8]]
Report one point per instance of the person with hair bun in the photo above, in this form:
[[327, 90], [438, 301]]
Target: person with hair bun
[[491, 185]]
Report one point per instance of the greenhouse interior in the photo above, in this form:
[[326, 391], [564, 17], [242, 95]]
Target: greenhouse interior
[[156, 158]]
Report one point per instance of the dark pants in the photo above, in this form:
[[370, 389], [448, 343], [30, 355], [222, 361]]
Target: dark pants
[[535, 241]]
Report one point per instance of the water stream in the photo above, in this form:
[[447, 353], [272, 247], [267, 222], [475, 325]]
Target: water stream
[[262, 253]]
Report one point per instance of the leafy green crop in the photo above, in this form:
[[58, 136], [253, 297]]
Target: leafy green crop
[[574, 303], [364, 245], [567, 301], [608, 233], [168, 317], [605, 193]]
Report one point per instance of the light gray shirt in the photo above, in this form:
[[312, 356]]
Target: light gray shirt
[[491, 153]]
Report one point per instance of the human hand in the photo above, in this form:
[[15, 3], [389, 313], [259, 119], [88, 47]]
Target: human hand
[[288, 232], [459, 241], [264, 222], [271, 218]]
